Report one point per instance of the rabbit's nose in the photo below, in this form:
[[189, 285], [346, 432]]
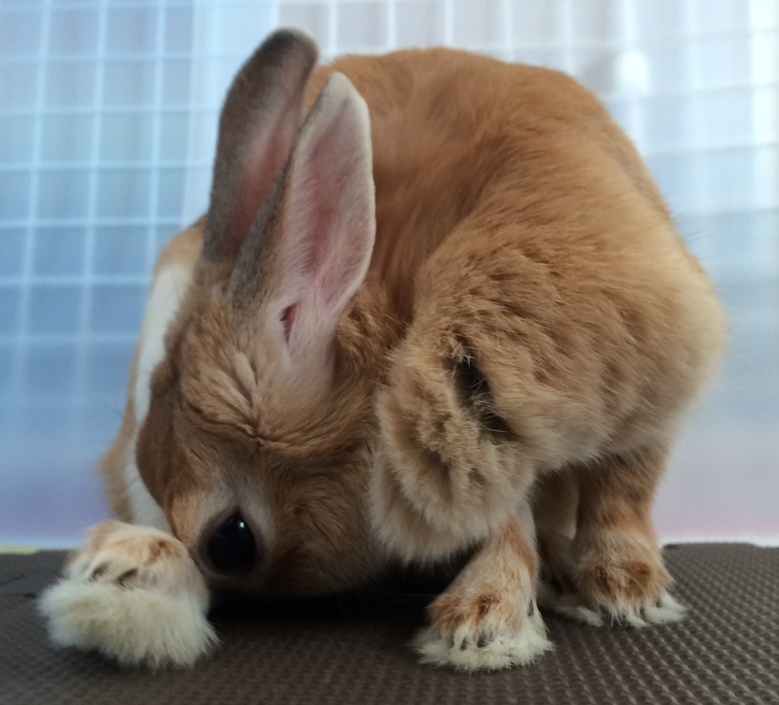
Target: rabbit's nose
[[232, 547]]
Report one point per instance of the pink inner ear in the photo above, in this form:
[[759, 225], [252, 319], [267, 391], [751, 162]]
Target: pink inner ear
[[329, 263], [327, 219], [288, 320]]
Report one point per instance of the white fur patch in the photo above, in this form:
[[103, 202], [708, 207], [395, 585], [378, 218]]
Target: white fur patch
[[665, 610], [143, 507], [136, 627], [126, 598], [464, 653], [169, 288], [168, 291]]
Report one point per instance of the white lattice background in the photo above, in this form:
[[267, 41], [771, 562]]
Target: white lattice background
[[107, 125]]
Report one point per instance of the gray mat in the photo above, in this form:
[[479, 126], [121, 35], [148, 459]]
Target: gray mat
[[354, 650]]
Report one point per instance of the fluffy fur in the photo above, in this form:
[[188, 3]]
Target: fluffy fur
[[465, 323], [135, 595]]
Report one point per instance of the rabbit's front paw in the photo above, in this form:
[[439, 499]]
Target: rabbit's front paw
[[482, 632], [134, 594]]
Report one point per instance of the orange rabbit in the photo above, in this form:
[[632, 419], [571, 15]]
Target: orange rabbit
[[448, 312]]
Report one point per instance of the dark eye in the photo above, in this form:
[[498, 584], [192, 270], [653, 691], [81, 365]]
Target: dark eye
[[232, 546]]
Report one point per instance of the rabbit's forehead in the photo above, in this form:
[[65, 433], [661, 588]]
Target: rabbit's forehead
[[232, 372]]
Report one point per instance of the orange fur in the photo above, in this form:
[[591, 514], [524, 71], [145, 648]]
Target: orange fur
[[182, 250], [529, 310], [619, 562], [142, 553], [496, 587]]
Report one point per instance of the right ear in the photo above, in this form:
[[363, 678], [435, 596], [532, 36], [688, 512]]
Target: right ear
[[259, 120], [312, 244]]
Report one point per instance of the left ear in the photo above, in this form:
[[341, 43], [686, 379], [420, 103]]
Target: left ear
[[259, 120], [313, 250]]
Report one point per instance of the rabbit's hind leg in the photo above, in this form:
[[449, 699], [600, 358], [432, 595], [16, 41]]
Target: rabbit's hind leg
[[619, 571]]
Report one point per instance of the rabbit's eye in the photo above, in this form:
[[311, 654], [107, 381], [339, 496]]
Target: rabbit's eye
[[232, 546]]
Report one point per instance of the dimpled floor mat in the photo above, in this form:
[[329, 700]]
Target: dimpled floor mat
[[355, 649]]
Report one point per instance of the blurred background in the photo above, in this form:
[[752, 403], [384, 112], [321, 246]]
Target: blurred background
[[108, 113]]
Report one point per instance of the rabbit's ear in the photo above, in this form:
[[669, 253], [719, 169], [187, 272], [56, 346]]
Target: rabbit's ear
[[259, 120], [314, 240]]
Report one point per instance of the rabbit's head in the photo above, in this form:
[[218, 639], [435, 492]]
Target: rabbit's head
[[259, 424]]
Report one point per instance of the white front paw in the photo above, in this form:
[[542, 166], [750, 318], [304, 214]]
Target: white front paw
[[484, 648], [483, 629], [134, 594]]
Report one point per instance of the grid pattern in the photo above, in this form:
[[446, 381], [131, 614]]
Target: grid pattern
[[108, 112], [354, 650]]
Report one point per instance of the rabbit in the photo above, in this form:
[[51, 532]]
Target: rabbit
[[437, 307]]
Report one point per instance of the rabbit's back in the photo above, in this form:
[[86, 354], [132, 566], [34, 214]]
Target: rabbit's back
[[459, 137], [525, 244]]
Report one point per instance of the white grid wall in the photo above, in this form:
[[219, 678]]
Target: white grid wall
[[108, 113], [93, 111]]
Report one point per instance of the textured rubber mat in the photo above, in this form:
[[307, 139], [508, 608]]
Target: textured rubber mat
[[355, 650]]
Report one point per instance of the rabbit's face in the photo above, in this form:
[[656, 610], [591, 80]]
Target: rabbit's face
[[259, 428], [258, 438], [262, 474]]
